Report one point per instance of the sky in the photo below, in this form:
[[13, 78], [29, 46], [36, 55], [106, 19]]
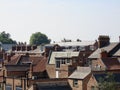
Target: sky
[[58, 19]]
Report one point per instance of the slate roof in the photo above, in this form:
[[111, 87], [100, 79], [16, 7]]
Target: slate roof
[[73, 43], [111, 63], [66, 54], [80, 73], [116, 76], [96, 54]]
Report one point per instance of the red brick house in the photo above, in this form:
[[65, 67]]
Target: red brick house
[[79, 79], [84, 79], [62, 64], [106, 57], [23, 67]]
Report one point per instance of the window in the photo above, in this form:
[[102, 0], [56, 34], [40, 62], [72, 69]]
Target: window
[[63, 61], [92, 88], [75, 83], [57, 64]]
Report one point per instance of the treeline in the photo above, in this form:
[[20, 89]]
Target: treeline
[[37, 38]]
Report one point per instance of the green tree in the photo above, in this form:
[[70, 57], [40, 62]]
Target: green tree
[[107, 82], [5, 38], [39, 38]]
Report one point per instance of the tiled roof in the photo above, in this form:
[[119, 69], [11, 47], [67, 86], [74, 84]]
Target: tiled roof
[[38, 62], [80, 73], [66, 54], [41, 65], [96, 54], [14, 59], [111, 63]]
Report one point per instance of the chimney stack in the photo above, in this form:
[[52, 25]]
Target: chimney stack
[[103, 54], [103, 41]]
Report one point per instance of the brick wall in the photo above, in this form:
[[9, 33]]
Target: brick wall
[[63, 71], [92, 82], [79, 87], [50, 70], [97, 65], [17, 82], [84, 84]]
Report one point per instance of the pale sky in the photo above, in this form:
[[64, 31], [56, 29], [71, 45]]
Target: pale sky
[[58, 19]]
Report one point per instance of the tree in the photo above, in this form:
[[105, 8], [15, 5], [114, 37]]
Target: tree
[[39, 38], [5, 38], [107, 82]]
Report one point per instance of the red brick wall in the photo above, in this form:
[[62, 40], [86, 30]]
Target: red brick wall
[[96, 63], [92, 82], [50, 70]]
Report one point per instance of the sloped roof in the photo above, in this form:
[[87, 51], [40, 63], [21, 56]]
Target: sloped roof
[[73, 43], [111, 63], [38, 62], [67, 54], [14, 59], [80, 73], [41, 65], [117, 53], [96, 54]]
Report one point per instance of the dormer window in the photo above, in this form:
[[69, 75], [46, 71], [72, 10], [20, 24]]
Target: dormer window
[[75, 83]]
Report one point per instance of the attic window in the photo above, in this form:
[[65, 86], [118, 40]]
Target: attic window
[[75, 83], [92, 88], [57, 64], [63, 61]]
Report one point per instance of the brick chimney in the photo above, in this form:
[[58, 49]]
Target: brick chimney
[[34, 47], [18, 47], [28, 48], [103, 41], [8, 58], [103, 54], [23, 47]]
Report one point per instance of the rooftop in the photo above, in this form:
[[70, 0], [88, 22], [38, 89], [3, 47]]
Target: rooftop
[[80, 73], [96, 54], [73, 43], [111, 63], [67, 54]]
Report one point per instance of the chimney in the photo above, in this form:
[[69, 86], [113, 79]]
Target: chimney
[[8, 58], [28, 48], [103, 54], [13, 48], [23, 47], [18, 47], [33, 47], [103, 41]]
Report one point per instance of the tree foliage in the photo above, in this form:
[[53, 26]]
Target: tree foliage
[[107, 83], [39, 38], [5, 38]]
